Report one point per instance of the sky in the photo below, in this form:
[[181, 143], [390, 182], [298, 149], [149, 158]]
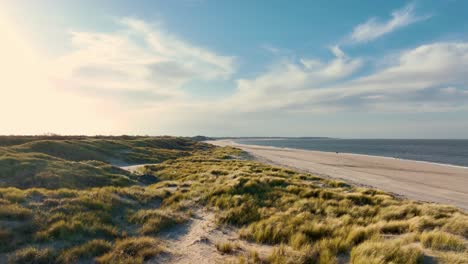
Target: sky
[[349, 69]]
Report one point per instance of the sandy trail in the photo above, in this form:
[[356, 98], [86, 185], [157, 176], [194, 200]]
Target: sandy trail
[[135, 168], [196, 241], [412, 179]]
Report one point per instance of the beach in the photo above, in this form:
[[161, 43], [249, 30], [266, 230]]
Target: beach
[[422, 181]]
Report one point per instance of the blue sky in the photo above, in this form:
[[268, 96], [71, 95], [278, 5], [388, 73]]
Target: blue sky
[[387, 69]]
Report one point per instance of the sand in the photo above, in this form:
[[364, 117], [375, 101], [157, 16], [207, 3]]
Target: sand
[[415, 180]]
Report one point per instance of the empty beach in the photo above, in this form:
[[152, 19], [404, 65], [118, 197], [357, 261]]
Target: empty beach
[[416, 180]]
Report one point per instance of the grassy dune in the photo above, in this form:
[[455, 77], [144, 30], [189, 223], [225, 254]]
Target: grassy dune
[[79, 163], [305, 218]]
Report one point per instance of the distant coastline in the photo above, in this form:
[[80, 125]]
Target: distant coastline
[[448, 152]]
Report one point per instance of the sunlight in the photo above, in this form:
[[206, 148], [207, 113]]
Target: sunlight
[[29, 99]]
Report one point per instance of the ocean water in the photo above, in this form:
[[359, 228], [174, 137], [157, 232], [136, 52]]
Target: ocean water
[[446, 151]]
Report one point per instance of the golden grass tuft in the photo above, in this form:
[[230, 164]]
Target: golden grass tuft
[[86, 251], [132, 250], [226, 247], [32, 255], [381, 252], [440, 240]]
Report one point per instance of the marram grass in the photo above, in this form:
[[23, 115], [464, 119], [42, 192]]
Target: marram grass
[[105, 219]]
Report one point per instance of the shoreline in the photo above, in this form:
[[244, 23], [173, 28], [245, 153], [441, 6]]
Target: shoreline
[[416, 180], [350, 153]]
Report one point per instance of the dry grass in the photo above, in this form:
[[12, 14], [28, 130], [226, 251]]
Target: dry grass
[[226, 247], [32, 255], [154, 220], [440, 240], [133, 250], [381, 252], [85, 252], [306, 219]]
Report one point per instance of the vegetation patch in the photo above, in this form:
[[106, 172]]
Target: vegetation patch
[[133, 250], [376, 252], [440, 240], [86, 251], [64, 201]]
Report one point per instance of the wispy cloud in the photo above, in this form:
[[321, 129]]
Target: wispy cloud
[[373, 28], [138, 57], [416, 81], [132, 81]]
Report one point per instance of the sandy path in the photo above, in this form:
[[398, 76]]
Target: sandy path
[[196, 241], [134, 168], [412, 179]]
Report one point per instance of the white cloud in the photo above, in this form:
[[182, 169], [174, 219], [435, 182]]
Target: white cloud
[[284, 84], [414, 81], [373, 28], [138, 57], [106, 83], [131, 80]]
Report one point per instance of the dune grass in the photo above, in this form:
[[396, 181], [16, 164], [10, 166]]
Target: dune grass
[[380, 252], [85, 252], [80, 163], [226, 247], [105, 215], [132, 250], [32, 255], [318, 219], [440, 240]]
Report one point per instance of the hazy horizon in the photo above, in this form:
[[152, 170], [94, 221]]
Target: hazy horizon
[[219, 137], [199, 67]]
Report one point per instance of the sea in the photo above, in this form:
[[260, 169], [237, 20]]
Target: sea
[[444, 151]]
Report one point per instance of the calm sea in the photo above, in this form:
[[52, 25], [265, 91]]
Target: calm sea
[[447, 151]]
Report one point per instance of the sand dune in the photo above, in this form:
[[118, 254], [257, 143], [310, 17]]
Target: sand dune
[[411, 179]]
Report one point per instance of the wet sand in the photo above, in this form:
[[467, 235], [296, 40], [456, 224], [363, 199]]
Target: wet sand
[[415, 180]]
